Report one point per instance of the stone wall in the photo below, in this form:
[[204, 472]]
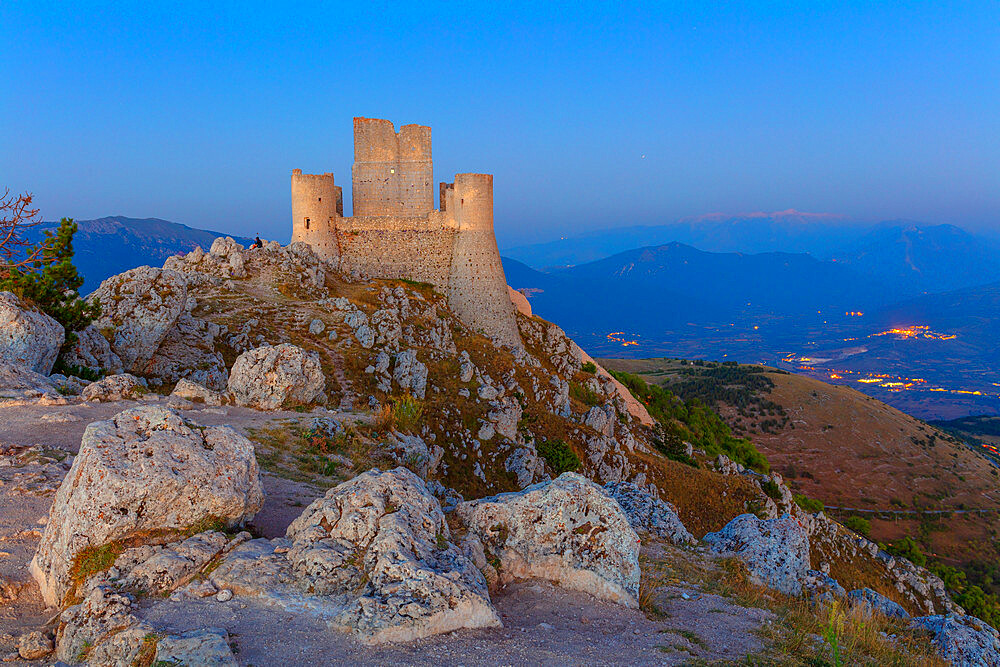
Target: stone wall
[[393, 173], [395, 233]]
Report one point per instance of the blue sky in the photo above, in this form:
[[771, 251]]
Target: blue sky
[[590, 115]]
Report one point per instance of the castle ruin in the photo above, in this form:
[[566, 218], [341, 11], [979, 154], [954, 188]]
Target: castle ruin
[[395, 231]]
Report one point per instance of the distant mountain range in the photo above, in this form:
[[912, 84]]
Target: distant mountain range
[[107, 246]]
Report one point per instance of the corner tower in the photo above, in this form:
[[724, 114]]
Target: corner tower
[[317, 205], [477, 286], [393, 173]]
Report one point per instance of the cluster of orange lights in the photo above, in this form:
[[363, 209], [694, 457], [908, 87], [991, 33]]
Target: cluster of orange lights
[[618, 337], [854, 313], [916, 331]]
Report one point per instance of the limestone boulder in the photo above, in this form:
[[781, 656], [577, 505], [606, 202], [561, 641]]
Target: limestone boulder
[[92, 350], [22, 382], [568, 531], [382, 539], [649, 513], [188, 351], [101, 630], [273, 376], [196, 393], [876, 602], [207, 647], [775, 551], [28, 338], [122, 387], [34, 645], [144, 470], [410, 373], [821, 587], [964, 641], [138, 308]]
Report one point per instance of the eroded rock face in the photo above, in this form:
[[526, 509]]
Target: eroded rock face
[[92, 350], [646, 512], [965, 641], [24, 382], [123, 387], [568, 531], [383, 534], [140, 306], [874, 601], [28, 338], [188, 351], [146, 469], [775, 551], [192, 391], [273, 376], [208, 647], [101, 630]]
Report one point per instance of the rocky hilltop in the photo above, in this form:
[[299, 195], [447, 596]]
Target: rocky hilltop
[[272, 444]]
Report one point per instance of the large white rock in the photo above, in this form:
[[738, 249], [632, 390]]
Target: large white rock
[[140, 306], [568, 531], [382, 538], [92, 350], [965, 641], [146, 469], [22, 382], [123, 387], [646, 512], [28, 338], [188, 351], [272, 376], [775, 551]]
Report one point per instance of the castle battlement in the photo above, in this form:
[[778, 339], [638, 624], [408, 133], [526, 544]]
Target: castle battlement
[[395, 232]]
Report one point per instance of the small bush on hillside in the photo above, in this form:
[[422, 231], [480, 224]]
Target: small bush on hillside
[[406, 412], [584, 394], [671, 445], [589, 367], [859, 525], [808, 504], [770, 487], [559, 456], [909, 549], [692, 421]]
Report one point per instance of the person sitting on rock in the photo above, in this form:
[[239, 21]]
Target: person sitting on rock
[[258, 243]]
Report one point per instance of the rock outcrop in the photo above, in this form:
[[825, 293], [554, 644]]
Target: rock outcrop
[[92, 350], [146, 469], [964, 641], [123, 387], [568, 531], [775, 551], [23, 382], [874, 601], [382, 536], [28, 338], [196, 393], [646, 512], [273, 376], [138, 308]]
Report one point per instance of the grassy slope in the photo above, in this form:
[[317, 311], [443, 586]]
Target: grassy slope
[[850, 450]]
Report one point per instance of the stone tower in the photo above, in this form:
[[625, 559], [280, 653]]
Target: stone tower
[[395, 232]]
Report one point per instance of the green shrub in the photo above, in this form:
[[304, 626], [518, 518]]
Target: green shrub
[[771, 488], [560, 457], [808, 504], [584, 394], [859, 525], [51, 282], [692, 421], [589, 367], [671, 445], [406, 412]]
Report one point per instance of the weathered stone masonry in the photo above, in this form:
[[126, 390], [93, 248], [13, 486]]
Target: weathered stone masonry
[[395, 231]]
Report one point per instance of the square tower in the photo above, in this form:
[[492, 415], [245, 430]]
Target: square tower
[[393, 173]]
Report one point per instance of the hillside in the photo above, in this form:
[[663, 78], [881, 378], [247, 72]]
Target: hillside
[[107, 246], [381, 427], [855, 454]]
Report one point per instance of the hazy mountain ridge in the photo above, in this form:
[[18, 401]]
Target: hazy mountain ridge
[[107, 246]]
